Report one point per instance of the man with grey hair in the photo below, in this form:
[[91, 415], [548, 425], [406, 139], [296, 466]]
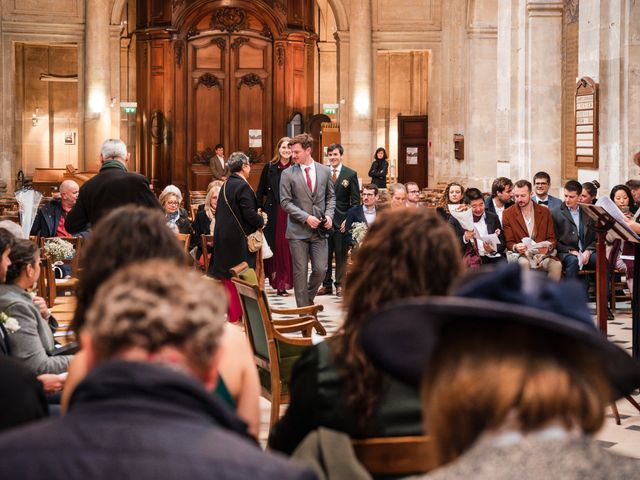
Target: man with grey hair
[[145, 409], [113, 187], [51, 218]]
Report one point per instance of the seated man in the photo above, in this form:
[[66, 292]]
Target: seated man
[[50, 219], [527, 222], [365, 213], [485, 223], [575, 232], [144, 410]]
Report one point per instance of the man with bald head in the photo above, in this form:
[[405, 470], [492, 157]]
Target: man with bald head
[[50, 220]]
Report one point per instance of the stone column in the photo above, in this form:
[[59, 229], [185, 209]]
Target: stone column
[[543, 87], [97, 81], [358, 136]]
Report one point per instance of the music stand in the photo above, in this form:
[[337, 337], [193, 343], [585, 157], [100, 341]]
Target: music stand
[[604, 222]]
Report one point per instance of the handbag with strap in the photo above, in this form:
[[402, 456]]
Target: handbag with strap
[[255, 239]]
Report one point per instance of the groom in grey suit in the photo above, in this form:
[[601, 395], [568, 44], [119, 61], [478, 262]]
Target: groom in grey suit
[[306, 194]]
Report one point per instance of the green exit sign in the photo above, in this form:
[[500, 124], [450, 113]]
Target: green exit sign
[[329, 111], [330, 108], [129, 107]]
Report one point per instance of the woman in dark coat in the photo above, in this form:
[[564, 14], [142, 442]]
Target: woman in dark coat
[[236, 217], [379, 168], [278, 268], [205, 220]]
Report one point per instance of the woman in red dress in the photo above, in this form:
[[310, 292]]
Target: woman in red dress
[[278, 269]]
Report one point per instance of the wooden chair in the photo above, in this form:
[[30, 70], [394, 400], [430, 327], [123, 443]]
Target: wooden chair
[[618, 286], [76, 242], [243, 272], [196, 197], [205, 241], [274, 353], [184, 239], [194, 211], [395, 456]]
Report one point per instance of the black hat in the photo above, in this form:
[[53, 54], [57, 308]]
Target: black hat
[[401, 337]]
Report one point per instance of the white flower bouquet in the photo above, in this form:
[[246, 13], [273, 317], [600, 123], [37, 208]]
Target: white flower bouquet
[[11, 325], [58, 249], [358, 232]]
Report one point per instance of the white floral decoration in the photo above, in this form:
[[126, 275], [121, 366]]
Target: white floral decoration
[[59, 249], [10, 323], [358, 232]]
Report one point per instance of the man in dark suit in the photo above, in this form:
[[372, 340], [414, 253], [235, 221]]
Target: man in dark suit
[[501, 196], [306, 194], [113, 187], [575, 232], [485, 223], [347, 192], [365, 213], [541, 185]]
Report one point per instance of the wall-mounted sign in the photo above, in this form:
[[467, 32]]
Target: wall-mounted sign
[[255, 138], [129, 107], [586, 110], [69, 137], [412, 155]]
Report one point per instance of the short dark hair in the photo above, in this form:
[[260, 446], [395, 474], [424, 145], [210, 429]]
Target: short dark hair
[[125, 235], [6, 240], [305, 140], [524, 183], [499, 184], [472, 194], [544, 175], [370, 186], [23, 253], [219, 145], [633, 184], [335, 146], [573, 186]]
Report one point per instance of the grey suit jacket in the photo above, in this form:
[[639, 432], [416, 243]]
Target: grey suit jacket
[[300, 203], [33, 342]]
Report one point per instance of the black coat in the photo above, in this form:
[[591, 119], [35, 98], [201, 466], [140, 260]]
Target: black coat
[[229, 241], [268, 195], [48, 219], [201, 226], [568, 235], [110, 189], [378, 173], [22, 399], [143, 421], [493, 224], [347, 190]]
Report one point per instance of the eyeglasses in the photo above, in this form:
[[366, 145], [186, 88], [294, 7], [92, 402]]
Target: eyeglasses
[[173, 202]]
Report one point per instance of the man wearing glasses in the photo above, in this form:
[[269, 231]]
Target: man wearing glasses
[[413, 194], [541, 185]]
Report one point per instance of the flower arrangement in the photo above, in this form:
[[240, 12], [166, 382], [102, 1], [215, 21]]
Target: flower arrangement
[[358, 232], [58, 249], [11, 325]]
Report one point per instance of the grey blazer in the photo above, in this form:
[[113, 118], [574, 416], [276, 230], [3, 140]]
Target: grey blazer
[[300, 203], [33, 342]]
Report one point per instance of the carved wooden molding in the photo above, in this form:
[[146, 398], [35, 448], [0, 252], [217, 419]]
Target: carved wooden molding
[[571, 11], [266, 33], [177, 4], [193, 32], [220, 42], [178, 50], [238, 42], [280, 55], [208, 80], [204, 156], [229, 19], [281, 6], [250, 80]]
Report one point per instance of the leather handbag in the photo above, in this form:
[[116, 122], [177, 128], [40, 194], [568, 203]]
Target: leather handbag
[[255, 239]]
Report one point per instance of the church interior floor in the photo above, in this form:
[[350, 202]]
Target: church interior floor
[[622, 439]]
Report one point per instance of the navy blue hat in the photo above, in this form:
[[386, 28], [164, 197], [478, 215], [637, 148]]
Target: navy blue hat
[[401, 337]]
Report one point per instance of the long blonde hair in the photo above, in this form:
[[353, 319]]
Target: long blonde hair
[[276, 154]]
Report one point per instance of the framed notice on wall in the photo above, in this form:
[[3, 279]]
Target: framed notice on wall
[[586, 110]]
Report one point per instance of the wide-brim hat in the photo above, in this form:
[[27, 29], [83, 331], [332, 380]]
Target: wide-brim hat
[[401, 338]]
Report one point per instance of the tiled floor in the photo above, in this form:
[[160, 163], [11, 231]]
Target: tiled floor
[[623, 439]]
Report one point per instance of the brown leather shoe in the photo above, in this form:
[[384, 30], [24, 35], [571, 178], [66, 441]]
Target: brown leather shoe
[[325, 291], [338, 291]]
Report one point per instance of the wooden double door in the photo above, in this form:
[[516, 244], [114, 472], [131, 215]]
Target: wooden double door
[[229, 101]]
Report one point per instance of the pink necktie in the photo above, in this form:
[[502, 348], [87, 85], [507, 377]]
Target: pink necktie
[[306, 171]]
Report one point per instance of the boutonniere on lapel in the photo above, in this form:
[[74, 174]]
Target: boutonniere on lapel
[[10, 323], [345, 183]]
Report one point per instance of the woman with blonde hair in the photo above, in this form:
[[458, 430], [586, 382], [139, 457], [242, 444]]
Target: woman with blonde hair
[[205, 220], [278, 268], [452, 195]]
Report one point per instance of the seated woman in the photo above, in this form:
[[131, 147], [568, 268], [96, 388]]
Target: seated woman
[[515, 377], [205, 220], [177, 217], [590, 192], [398, 194], [31, 340], [334, 384], [621, 254], [452, 195]]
